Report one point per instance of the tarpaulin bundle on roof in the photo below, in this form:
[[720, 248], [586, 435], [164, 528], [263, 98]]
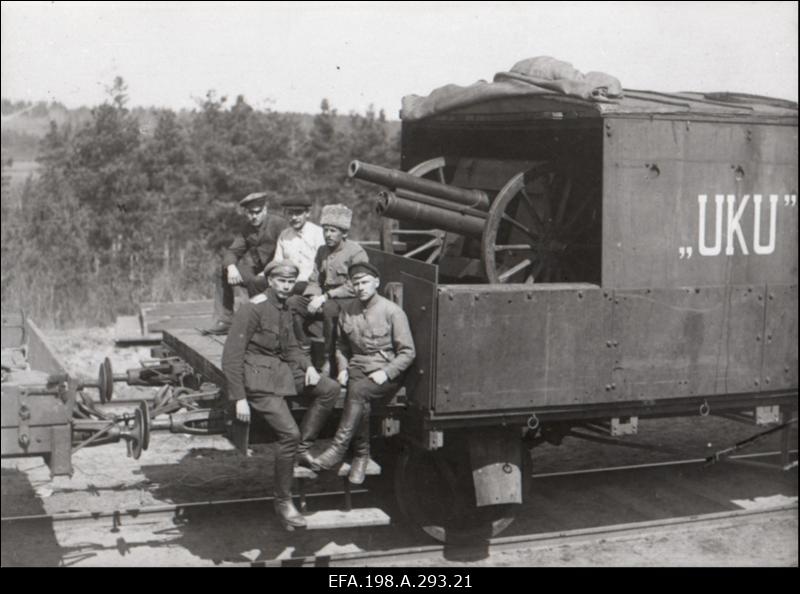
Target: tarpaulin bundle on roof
[[533, 76]]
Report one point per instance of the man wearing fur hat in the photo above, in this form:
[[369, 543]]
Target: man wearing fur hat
[[328, 289], [263, 363], [244, 260]]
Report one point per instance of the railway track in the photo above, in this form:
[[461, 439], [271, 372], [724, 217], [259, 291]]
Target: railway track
[[409, 556], [178, 508], [581, 510]]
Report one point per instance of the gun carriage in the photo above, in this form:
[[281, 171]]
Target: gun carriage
[[564, 264]]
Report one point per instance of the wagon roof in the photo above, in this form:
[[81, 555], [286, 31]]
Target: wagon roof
[[634, 103]]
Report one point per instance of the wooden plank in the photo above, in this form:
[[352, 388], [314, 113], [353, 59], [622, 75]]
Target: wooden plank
[[368, 516]]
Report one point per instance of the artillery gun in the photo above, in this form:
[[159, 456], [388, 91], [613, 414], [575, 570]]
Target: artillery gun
[[491, 221]]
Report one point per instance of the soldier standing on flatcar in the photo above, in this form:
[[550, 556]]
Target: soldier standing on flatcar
[[373, 351], [244, 260], [263, 364], [328, 289]]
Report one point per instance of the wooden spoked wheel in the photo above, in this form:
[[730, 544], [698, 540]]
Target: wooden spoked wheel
[[541, 228], [435, 494], [427, 244]]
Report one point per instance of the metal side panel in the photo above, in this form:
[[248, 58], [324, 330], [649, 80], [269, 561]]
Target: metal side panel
[[392, 267], [685, 342], [517, 347], [779, 369], [419, 303]]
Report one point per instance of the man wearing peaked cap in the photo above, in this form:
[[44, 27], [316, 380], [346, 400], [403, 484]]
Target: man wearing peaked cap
[[361, 268], [282, 268], [374, 349], [328, 289], [244, 260], [263, 364], [300, 241]]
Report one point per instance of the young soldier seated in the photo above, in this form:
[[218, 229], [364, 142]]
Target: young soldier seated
[[373, 350]]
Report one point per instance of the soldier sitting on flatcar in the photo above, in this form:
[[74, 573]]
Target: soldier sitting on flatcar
[[263, 364], [244, 260], [328, 290], [373, 350]]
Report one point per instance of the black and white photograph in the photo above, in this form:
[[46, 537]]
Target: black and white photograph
[[400, 291]]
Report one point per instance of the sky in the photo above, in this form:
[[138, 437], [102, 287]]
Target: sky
[[289, 56]]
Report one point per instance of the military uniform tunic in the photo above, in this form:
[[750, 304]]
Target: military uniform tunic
[[258, 244], [261, 354], [375, 336], [330, 269]]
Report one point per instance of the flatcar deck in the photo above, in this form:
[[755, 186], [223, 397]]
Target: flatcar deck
[[204, 354]]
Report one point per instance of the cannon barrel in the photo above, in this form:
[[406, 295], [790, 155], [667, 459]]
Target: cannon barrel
[[392, 206], [395, 180]]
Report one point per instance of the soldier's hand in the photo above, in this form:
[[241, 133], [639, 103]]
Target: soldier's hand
[[343, 377], [316, 303], [234, 276], [379, 377], [243, 410], [312, 376]]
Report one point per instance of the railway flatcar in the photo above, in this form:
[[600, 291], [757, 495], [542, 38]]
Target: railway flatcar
[[564, 262]]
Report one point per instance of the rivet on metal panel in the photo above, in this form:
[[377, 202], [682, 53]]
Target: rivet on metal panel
[[608, 387], [704, 409], [766, 380], [615, 343], [421, 371], [476, 297], [423, 308], [688, 125], [613, 386], [533, 422], [616, 301], [786, 369], [756, 382], [446, 389], [653, 171], [528, 296], [749, 135], [769, 337], [738, 173], [24, 440], [450, 296], [608, 343], [758, 338], [580, 294], [697, 291], [771, 296], [760, 298]]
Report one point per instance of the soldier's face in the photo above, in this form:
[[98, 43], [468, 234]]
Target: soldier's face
[[256, 215], [282, 285], [297, 217], [333, 235], [365, 286]]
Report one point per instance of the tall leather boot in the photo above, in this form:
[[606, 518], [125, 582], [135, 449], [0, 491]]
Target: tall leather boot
[[288, 514], [313, 422], [351, 417], [358, 467], [284, 507]]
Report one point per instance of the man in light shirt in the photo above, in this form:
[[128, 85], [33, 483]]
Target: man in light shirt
[[300, 241]]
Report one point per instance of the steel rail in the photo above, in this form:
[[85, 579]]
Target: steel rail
[[133, 512], [540, 540], [159, 509]]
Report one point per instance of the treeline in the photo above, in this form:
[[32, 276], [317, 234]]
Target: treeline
[[121, 214]]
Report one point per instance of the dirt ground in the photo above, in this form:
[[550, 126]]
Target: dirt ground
[[181, 468]]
